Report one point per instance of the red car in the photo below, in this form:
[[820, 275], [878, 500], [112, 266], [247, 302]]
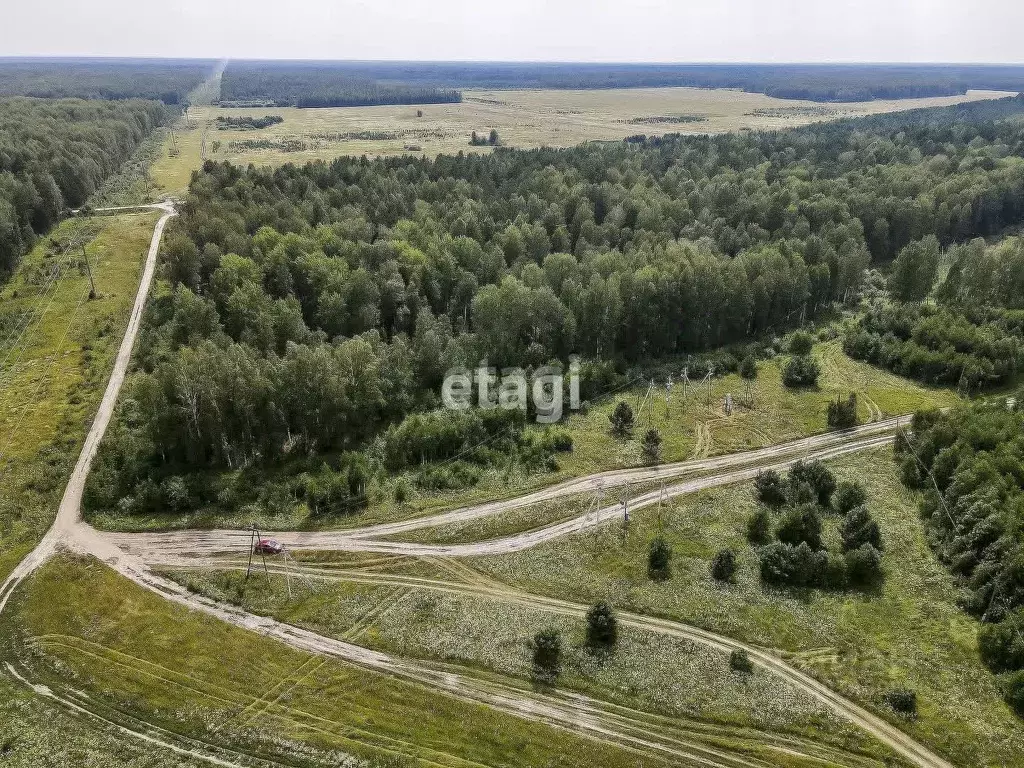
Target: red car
[[268, 547]]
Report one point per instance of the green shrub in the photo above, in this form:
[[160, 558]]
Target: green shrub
[[800, 343], [801, 525], [659, 560], [547, 654], [849, 494], [723, 565], [860, 528], [770, 488], [1012, 686], [863, 565], [622, 419], [818, 476], [799, 566], [651, 446], [801, 371], [748, 368], [902, 701], [739, 661], [1002, 645], [842, 414], [602, 627], [759, 527]]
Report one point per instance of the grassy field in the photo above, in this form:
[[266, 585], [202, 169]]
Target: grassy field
[[648, 673], [689, 428], [909, 633], [56, 349], [203, 679], [34, 732], [529, 118]]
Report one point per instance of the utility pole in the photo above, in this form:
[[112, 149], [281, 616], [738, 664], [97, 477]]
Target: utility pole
[[661, 498], [254, 539], [88, 269]]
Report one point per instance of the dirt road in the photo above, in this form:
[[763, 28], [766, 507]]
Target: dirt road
[[69, 512], [180, 547]]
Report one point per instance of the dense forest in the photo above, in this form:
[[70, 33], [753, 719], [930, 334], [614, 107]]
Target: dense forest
[[54, 154], [307, 310], [163, 80], [254, 80], [970, 337], [319, 85], [969, 462]]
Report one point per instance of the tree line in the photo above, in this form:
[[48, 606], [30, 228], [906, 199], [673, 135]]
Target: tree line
[[971, 337], [168, 81], [319, 85], [967, 463], [848, 82], [55, 154]]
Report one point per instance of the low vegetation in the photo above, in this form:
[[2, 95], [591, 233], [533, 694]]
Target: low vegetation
[[655, 676], [56, 349], [197, 677]]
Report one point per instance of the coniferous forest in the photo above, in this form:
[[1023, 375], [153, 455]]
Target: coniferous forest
[[320, 85], [353, 83], [54, 154], [165, 80]]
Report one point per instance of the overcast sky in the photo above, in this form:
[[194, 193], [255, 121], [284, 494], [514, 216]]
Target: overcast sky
[[531, 30]]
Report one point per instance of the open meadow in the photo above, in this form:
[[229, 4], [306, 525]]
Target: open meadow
[[522, 118]]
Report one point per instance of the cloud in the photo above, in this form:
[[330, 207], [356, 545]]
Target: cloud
[[530, 30]]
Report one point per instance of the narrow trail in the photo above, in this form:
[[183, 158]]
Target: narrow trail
[[69, 512]]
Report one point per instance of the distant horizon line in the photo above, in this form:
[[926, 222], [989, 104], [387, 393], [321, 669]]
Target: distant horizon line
[[593, 62]]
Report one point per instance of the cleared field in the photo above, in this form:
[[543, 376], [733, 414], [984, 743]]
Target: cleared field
[[907, 633], [523, 118]]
